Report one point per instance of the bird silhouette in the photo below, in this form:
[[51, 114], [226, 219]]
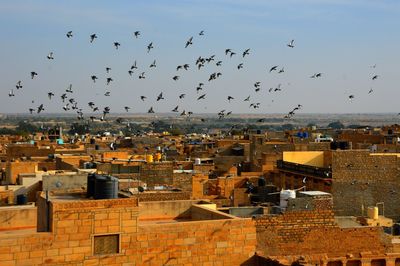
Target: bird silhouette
[[33, 74], [230, 98], [117, 44], [203, 96], [175, 78], [219, 63], [150, 46], [143, 98], [273, 68], [281, 70], [201, 33], [19, 85], [240, 66], [247, 99], [109, 80], [246, 52], [50, 56], [107, 93], [31, 110], [11, 93], [175, 110], [69, 89], [134, 66], [291, 44], [160, 97], [370, 91], [93, 77], [50, 94], [69, 34], [189, 42], [40, 108], [136, 34], [108, 69], [151, 110], [92, 37], [153, 64], [375, 77], [228, 51], [141, 76], [182, 96]]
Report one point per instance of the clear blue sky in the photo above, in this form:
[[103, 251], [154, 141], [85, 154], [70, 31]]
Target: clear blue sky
[[340, 38]]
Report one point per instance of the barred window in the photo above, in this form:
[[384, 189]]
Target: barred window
[[106, 244]]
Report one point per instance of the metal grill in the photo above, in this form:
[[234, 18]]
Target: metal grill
[[107, 244]]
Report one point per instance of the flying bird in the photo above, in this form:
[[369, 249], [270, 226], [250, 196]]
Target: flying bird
[[141, 76], [150, 46], [247, 99], [40, 108], [50, 94], [143, 98], [201, 33], [94, 78], [240, 66], [182, 96], [33, 74], [117, 44], [153, 64], [18, 85], [203, 96], [291, 44], [175, 110], [108, 69], [69, 34], [375, 77], [230, 98], [150, 111], [175, 78], [160, 97], [69, 89], [273, 68], [92, 37], [219, 63], [50, 56], [109, 80], [189, 42], [136, 34], [134, 66], [107, 93], [11, 93], [246, 52], [351, 97], [370, 91]]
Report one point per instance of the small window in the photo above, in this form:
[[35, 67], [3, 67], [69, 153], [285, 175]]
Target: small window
[[106, 244]]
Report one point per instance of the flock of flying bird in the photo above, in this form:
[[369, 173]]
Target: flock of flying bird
[[70, 103]]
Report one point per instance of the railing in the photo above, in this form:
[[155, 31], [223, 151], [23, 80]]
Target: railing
[[304, 169]]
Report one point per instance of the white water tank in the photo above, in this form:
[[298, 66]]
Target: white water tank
[[197, 161], [285, 195]]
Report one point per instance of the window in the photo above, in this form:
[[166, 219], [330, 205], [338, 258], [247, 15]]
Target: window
[[106, 244]]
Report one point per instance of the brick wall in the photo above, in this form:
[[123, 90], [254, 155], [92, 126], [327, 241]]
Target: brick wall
[[157, 173], [182, 181], [361, 180], [161, 196]]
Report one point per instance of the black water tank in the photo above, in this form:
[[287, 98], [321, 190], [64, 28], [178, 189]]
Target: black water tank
[[96, 147], [92, 141], [22, 199], [91, 178], [261, 181], [106, 187]]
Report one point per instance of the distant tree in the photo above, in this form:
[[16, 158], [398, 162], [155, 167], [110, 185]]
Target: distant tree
[[176, 131], [7, 131], [79, 129], [24, 128], [353, 126], [336, 125]]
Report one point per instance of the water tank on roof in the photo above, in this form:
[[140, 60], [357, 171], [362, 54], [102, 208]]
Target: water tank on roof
[[22, 199], [157, 156], [105, 187], [285, 195], [92, 141], [305, 135], [90, 185], [197, 161], [261, 181], [149, 158]]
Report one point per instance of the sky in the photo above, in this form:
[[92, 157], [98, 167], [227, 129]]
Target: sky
[[342, 39]]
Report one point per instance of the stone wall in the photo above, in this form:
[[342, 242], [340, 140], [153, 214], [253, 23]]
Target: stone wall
[[157, 173]]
